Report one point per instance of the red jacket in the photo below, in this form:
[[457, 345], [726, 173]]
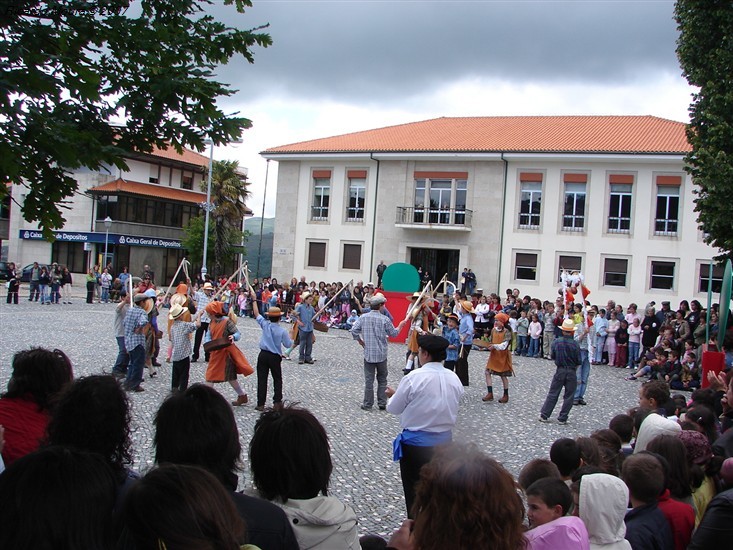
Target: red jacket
[[25, 427], [681, 518]]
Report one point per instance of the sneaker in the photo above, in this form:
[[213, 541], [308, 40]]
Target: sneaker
[[382, 407], [366, 408], [630, 378], [562, 422], [581, 401], [576, 402], [543, 419], [309, 362], [260, 408], [301, 362]]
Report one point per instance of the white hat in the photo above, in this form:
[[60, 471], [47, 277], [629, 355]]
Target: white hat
[[208, 286], [176, 311], [304, 296]]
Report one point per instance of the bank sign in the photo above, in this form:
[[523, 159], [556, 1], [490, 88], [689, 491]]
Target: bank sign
[[81, 237]]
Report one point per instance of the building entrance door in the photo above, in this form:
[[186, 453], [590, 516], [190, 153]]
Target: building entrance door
[[438, 262]]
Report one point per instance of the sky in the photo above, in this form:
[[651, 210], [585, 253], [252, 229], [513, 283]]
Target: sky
[[342, 66]]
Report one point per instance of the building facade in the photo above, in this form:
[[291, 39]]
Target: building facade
[[148, 205], [516, 199]]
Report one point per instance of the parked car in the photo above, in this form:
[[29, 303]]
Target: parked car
[[26, 276], [3, 271]]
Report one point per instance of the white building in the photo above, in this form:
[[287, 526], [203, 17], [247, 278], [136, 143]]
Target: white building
[[514, 198], [149, 204]]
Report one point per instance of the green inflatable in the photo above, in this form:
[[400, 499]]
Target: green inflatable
[[401, 277]]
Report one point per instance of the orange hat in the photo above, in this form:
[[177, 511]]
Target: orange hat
[[182, 289], [503, 318]]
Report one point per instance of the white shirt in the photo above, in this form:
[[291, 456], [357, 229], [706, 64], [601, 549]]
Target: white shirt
[[427, 399]]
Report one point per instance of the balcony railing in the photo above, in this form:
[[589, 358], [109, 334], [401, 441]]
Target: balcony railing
[[429, 217]]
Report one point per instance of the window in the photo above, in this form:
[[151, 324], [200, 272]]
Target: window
[[704, 278], [71, 255], [444, 193], [525, 266], [357, 193], [615, 271], [187, 181], [321, 194], [574, 211], [530, 205], [619, 211], [662, 275], [666, 218], [5, 207], [352, 256], [316, 254], [569, 264], [154, 174]]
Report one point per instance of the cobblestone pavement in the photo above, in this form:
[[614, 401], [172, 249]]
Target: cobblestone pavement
[[361, 441]]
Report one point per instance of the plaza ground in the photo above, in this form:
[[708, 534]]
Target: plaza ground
[[364, 474]]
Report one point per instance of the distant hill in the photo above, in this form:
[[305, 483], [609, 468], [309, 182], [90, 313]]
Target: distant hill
[[252, 245]]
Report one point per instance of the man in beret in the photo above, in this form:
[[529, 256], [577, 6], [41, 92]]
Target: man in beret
[[427, 402], [372, 330]]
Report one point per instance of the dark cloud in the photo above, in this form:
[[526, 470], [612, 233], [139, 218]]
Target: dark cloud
[[373, 50]]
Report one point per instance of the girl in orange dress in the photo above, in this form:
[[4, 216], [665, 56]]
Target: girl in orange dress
[[226, 363], [500, 360], [420, 323]]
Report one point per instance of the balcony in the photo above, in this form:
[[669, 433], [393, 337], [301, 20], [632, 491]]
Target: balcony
[[451, 219]]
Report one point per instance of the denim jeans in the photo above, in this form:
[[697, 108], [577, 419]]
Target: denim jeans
[[370, 371], [534, 347], [135, 370], [522, 345], [306, 346], [123, 358], [633, 353], [105, 294], [34, 291], [44, 294], [583, 373], [564, 377], [600, 343]]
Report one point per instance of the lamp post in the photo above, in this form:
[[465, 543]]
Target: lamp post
[[107, 225], [208, 207]]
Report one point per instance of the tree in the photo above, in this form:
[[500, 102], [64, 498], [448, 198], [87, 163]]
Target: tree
[[193, 242], [69, 68], [228, 196], [705, 51]]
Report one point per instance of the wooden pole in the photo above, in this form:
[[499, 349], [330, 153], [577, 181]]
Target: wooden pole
[[412, 310]]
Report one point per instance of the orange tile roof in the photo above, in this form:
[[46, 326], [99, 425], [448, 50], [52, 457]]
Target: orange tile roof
[[149, 190], [546, 134], [153, 190], [188, 156]]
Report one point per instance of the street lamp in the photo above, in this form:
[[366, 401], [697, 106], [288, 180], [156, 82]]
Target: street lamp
[[107, 225], [207, 206]]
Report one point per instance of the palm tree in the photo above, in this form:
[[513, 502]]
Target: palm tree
[[228, 195]]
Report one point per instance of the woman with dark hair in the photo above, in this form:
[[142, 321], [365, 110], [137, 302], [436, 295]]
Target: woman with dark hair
[[291, 466], [705, 420], [38, 375], [197, 427], [465, 499], [704, 468], [93, 414], [678, 475], [57, 497], [180, 508]]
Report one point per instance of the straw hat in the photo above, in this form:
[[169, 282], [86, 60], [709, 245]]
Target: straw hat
[[274, 312], [179, 299], [568, 325], [176, 311], [415, 296], [208, 286], [305, 296], [466, 305]]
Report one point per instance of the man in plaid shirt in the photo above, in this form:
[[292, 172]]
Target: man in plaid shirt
[[372, 331], [134, 323]]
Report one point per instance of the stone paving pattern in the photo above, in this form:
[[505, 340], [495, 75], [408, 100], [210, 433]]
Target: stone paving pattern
[[364, 474]]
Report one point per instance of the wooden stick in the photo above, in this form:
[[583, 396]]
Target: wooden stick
[[443, 281], [225, 285], [317, 313], [168, 292], [413, 309]]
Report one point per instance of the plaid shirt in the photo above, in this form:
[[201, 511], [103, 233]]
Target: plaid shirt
[[374, 328], [134, 319], [202, 300], [566, 352], [182, 347]]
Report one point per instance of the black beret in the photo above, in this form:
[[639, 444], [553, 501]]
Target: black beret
[[431, 343]]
